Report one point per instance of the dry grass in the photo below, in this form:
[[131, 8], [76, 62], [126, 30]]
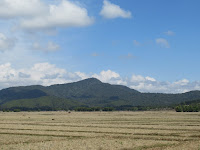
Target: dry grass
[[99, 130]]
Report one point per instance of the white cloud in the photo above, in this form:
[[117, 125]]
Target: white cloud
[[48, 74], [169, 33], [49, 47], [182, 82], [111, 11], [21, 8], [139, 78], [66, 14], [35, 14], [6, 43], [149, 84], [82, 75], [106, 76], [150, 79], [40, 73], [162, 42], [7, 73]]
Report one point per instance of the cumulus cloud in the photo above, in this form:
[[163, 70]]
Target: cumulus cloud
[[162, 42], [7, 74], [149, 84], [48, 74], [150, 79], [49, 47], [21, 8], [182, 82], [111, 11], [82, 75], [169, 33], [35, 14], [106, 76], [66, 14], [139, 78], [6, 43], [40, 73]]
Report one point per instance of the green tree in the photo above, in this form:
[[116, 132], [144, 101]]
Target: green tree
[[179, 108]]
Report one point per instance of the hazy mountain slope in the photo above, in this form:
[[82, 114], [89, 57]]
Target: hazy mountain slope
[[20, 93], [45, 102], [169, 99]]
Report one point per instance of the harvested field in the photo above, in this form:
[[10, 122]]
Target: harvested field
[[99, 130]]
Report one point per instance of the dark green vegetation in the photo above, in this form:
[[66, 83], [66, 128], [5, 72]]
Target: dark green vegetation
[[87, 93], [191, 106]]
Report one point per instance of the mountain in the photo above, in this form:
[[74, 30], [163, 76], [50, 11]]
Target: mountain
[[195, 102], [88, 93]]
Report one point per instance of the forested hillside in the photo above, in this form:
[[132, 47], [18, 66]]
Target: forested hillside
[[86, 93]]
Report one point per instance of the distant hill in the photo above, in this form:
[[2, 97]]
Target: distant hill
[[195, 102], [86, 93]]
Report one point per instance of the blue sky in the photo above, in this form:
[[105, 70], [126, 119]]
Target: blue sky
[[151, 46]]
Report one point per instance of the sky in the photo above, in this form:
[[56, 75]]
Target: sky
[[147, 45]]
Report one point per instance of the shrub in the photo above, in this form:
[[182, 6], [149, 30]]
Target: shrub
[[16, 110], [179, 109]]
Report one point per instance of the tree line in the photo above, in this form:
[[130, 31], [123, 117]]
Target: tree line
[[187, 108], [85, 108]]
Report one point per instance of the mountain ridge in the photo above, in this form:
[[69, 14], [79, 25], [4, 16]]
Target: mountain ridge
[[89, 93]]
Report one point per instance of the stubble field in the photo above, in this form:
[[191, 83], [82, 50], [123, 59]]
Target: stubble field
[[99, 130]]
